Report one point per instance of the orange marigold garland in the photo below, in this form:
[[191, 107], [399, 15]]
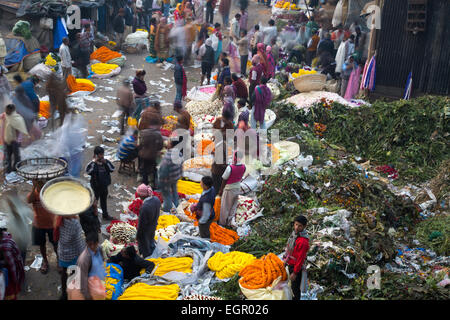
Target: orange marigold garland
[[222, 235], [262, 272]]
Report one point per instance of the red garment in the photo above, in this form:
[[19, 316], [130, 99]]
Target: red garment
[[241, 89], [299, 254]]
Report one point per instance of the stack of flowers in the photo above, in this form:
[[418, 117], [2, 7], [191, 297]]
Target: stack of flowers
[[391, 172]]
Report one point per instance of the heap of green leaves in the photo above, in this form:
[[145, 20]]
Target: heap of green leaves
[[411, 135], [434, 232]]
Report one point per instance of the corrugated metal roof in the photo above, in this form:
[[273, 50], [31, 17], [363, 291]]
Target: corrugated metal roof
[[10, 5]]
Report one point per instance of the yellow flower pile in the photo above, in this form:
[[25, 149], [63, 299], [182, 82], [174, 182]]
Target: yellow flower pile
[[189, 187], [166, 220], [49, 61], [228, 264], [143, 291], [165, 265], [103, 68], [302, 72], [171, 122]]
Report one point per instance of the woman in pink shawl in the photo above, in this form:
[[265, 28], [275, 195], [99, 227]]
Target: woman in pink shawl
[[262, 96], [270, 63], [263, 57], [353, 84]]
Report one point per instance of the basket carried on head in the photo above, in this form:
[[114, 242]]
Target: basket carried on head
[[310, 82], [66, 196], [41, 168]]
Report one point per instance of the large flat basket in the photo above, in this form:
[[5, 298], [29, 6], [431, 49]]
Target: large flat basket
[[310, 82], [41, 168], [82, 196]]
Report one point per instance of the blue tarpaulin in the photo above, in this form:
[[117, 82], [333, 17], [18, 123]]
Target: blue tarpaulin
[[59, 33], [16, 51]]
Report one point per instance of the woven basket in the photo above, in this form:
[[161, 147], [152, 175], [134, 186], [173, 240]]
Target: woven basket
[[31, 60], [310, 82], [63, 179], [55, 168]]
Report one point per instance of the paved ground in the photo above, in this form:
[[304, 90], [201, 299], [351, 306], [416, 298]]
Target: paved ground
[[46, 287]]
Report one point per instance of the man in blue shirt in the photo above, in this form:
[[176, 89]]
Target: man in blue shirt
[[205, 207], [90, 263], [28, 87]]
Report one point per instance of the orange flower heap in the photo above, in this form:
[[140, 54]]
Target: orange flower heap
[[262, 272]]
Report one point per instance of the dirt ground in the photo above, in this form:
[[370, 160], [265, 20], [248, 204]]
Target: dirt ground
[[47, 287]]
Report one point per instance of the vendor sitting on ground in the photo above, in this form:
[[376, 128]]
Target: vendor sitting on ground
[[131, 263]]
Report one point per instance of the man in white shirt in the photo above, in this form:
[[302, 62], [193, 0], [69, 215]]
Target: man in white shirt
[[270, 32], [235, 26], [66, 59]]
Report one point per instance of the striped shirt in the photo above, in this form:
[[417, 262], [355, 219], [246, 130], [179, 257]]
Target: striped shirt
[[70, 244], [127, 145]]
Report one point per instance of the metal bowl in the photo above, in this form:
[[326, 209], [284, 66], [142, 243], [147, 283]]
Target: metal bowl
[[41, 168], [65, 179]]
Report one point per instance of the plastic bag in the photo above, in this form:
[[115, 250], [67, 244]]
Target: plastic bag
[[215, 42], [41, 71]]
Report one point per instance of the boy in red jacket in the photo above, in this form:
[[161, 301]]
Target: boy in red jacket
[[295, 256]]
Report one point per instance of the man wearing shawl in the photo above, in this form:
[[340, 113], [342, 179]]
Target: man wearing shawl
[[262, 96], [13, 263], [148, 220], [14, 123], [162, 40], [206, 53]]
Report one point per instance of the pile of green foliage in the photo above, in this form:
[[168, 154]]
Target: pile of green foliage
[[435, 234]]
